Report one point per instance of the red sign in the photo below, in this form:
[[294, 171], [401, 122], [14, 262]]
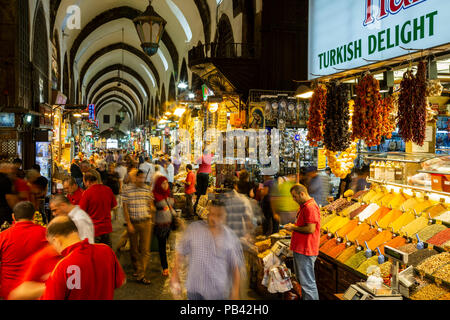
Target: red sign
[[386, 7]]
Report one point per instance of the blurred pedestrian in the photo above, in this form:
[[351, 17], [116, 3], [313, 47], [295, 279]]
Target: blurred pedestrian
[[98, 200], [305, 241], [17, 244], [214, 257], [61, 206], [317, 186], [72, 190], [189, 190], [271, 220], [75, 171], [87, 271], [138, 214], [170, 173], [7, 197], [87, 167], [163, 218], [202, 179], [112, 180], [148, 168]]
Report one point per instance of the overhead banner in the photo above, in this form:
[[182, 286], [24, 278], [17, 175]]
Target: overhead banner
[[342, 34]]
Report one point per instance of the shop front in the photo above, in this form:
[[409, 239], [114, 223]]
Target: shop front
[[381, 90]]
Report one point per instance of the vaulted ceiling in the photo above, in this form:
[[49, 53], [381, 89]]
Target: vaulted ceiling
[[106, 50]]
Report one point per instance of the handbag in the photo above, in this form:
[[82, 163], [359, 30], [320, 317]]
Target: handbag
[[176, 223]]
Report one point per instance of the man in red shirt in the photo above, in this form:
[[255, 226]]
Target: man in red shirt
[[39, 268], [73, 191], [98, 200], [305, 241], [86, 271], [17, 244], [203, 172], [189, 190]]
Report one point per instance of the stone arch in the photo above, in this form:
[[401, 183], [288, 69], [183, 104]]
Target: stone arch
[[224, 38], [122, 68], [184, 76], [122, 91], [56, 62], [205, 14], [106, 102], [172, 97], [24, 93], [40, 59], [163, 98], [66, 80], [120, 46], [117, 98], [115, 14], [118, 80]]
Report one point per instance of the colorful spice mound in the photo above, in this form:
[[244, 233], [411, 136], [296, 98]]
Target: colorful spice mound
[[346, 212], [328, 245], [436, 210], [367, 117], [402, 221], [323, 239], [346, 254], [430, 231], [352, 224], [389, 218], [394, 243], [328, 219], [336, 134], [415, 226], [385, 269], [360, 194], [440, 238], [356, 260], [379, 239], [336, 205], [358, 211], [373, 261], [336, 251], [430, 292], [367, 236], [415, 258], [408, 248], [355, 233], [433, 263], [445, 217], [443, 273], [412, 108], [317, 112]]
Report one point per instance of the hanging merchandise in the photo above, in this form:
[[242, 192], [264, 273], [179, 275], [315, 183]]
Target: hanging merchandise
[[388, 123], [336, 134], [317, 115], [343, 164], [412, 106], [283, 112], [367, 123], [268, 111], [291, 112]]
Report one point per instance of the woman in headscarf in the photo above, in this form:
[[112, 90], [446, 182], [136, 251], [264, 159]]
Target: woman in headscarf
[[163, 218]]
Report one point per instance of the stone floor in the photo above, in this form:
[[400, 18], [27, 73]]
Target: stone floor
[[159, 289]]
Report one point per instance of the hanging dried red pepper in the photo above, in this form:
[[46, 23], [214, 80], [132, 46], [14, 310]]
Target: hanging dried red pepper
[[412, 105], [317, 112], [367, 123], [336, 133], [388, 117]]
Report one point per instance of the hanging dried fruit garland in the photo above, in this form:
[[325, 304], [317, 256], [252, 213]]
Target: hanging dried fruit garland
[[388, 116], [317, 112], [343, 164], [367, 123], [412, 108], [336, 133]]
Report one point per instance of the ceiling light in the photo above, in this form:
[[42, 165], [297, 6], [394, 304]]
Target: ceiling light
[[191, 96], [179, 112], [304, 92], [182, 85], [168, 113], [77, 115], [213, 107]]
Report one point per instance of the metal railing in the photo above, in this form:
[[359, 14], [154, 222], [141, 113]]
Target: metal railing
[[222, 51]]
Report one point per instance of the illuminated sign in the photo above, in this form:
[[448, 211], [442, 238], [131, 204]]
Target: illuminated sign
[[91, 109]]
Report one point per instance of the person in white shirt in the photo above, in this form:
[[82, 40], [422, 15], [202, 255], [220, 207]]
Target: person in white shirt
[[170, 173], [60, 205], [149, 170], [122, 171]]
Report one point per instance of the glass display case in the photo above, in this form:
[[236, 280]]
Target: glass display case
[[417, 171]]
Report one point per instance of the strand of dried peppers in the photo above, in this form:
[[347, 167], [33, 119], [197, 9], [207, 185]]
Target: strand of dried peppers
[[412, 106], [336, 133], [388, 117], [420, 102], [317, 112], [367, 123]]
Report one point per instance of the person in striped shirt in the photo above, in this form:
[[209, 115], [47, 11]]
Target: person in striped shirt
[[138, 212]]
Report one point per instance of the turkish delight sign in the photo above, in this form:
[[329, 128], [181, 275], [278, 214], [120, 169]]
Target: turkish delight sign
[[342, 34]]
